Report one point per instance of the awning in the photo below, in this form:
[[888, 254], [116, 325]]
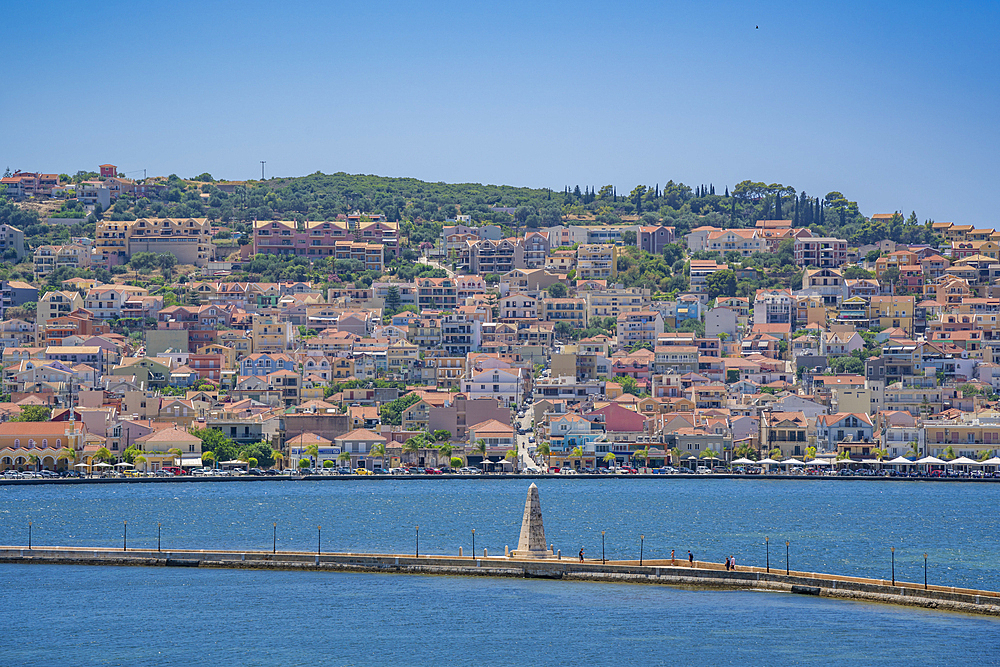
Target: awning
[[900, 461], [196, 463], [964, 461], [930, 460]]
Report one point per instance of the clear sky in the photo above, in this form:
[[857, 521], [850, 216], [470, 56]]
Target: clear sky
[[895, 104]]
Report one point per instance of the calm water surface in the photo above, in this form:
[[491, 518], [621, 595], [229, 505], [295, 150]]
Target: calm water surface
[[69, 615], [842, 527]]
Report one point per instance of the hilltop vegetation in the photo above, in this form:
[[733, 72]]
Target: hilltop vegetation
[[422, 207]]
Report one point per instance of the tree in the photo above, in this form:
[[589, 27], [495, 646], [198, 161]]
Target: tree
[[412, 446], [313, 452], [456, 462], [252, 462], [177, 453], [327, 464], [33, 459], [140, 460], [344, 458], [276, 456], [629, 238], [67, 454], [303, 463], [810, 452], [949, 453], [378, 449], [444, 452], [480, 447], [628, 384], [610, 458], [545, 450], [563, 329], [914, 451], [878, 454], [557, 291], [392, 412], [441, 435], [33, 413], [642, 454], [206, 457], [721, 283], [392, 299], [103, 454]]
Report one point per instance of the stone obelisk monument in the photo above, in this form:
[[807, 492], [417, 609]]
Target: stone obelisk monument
[[531, 544]]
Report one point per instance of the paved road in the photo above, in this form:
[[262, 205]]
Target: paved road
[[437, 265], [523, 444]]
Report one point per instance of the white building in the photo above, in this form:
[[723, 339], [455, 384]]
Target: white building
[[505, 385]]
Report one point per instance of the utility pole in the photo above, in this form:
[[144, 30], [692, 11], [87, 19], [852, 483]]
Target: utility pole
[[262, 163]]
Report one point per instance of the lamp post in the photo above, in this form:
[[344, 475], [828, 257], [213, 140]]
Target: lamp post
[[925, 572], [893, 549], [125, 538], [786, 558], [158, 537], [473, 543], [29, 540], [603, 561], [319, 539], [767, 546], [642, 539], [418, 542], [274, 537]]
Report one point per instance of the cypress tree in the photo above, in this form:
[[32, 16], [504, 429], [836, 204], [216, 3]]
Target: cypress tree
[[795, 214], [777, 206], [711, 189], [727, 190]]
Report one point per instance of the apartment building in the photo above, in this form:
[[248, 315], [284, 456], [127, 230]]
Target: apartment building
[[635, 328], [188, 239], [573, 311], [437, 294], [597, 262], [11, 242], [700, 271], [48, 258], [822, 252], [614, 301], [106, 302], [486, 256]]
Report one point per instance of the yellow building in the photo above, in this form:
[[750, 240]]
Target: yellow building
[[270, 334], [892, 311]]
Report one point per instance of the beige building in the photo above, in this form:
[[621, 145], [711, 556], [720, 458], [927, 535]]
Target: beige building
[[56, 304], [597, 262], [270, 334]]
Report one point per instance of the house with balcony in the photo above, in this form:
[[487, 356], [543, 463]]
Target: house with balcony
[[744, 241], [597, 262], [635, 328], [572, 311], [831, 430], [504, 385], [821, 252]]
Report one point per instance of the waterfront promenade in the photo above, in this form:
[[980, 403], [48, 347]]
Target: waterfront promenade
[[500, 476], [663, 572]]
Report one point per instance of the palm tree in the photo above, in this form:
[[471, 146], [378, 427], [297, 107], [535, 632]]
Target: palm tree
[[445, 450], [278, 457], [985, 454], [66, 453], [33, 459], [914, 451], [610, 458], [142, 459], [811, 452], [344, 457], [177, 453], [104, 454], [844, 456], [480, 447], [642, 454], [205, 456], [775, 453], [878, 454], [545, 450], [709, 454], [577, 453], [313, 451], [949, 453], [412, 446], [378, 449]]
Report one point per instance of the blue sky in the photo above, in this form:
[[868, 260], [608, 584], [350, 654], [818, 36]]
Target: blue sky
[[894, 104]]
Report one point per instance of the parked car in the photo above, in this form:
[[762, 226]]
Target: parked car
[[362, 471], [703, 470]]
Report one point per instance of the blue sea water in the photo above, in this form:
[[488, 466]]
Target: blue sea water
[[146, 616], [78, 615], [839, 527]]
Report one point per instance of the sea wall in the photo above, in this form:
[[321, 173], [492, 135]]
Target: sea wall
[[701, 575]]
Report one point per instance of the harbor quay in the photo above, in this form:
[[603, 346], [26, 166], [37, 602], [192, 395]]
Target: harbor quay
[[664, 572]]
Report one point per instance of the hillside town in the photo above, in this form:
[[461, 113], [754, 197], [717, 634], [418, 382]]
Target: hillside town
[[494, 348]]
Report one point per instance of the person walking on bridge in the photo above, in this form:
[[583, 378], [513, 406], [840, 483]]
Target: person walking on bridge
[[690, 558], [581, 554]]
